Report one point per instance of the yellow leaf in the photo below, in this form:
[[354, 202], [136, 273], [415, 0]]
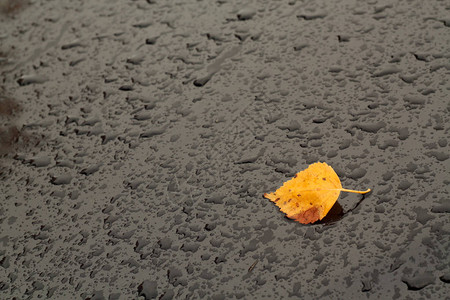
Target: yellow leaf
[[311, 194]]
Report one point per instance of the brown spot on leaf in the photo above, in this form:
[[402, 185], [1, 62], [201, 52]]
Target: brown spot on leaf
[[308, 216]]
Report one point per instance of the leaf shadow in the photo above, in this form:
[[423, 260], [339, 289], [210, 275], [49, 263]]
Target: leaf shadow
[[337, 213]]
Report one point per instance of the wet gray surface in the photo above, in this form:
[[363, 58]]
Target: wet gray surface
[[137, 139]]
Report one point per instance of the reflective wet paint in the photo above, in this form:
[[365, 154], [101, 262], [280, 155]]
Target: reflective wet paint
[[137, 140]]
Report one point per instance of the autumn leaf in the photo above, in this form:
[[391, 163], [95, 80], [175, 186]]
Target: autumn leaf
[[310, 195]]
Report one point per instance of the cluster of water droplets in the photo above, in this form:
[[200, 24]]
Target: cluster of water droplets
[[137, 140]]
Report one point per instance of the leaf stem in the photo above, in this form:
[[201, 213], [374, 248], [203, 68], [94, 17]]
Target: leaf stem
[[353, 191], [341, 190]]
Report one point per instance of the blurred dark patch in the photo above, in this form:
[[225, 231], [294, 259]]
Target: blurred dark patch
[[12, 135], [8, 107], [8, 137], [7, 57], [3, 58], [12, 140], [9, 132], [11, 7]]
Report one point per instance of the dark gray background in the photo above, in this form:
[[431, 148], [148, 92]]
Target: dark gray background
[[137, 139]]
